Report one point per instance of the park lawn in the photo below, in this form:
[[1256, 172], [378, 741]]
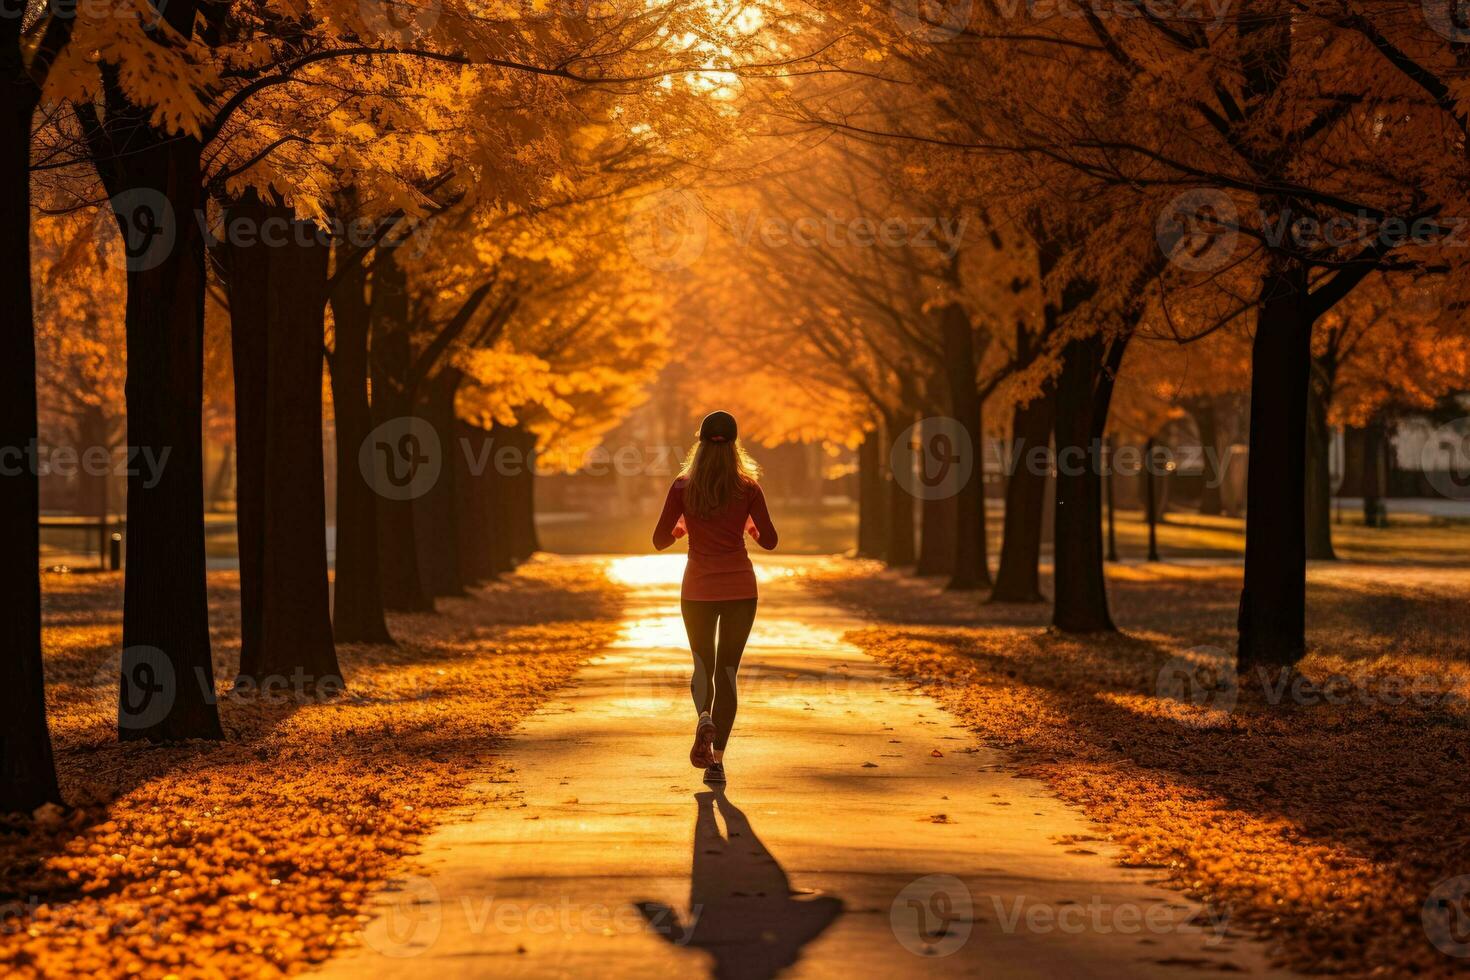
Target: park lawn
[[1413, 538], [1321, 827], [254, 857]]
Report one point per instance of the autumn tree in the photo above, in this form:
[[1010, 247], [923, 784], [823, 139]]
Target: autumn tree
[[27, 58]]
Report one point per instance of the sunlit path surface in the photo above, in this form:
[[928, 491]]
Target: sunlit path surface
[[863, 834]]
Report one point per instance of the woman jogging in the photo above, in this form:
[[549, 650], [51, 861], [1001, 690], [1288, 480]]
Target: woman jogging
[[716, 501]]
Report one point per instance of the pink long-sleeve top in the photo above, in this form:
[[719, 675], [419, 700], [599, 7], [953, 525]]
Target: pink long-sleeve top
[[718, 566]]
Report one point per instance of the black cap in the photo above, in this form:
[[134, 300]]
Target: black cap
[[718, 427]]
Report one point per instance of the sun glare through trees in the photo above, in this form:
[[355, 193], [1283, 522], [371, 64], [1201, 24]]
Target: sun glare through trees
[[743, 489]]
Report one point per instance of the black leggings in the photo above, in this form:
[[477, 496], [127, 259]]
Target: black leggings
[[717, 661]]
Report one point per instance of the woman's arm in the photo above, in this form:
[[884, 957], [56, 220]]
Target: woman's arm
[[765, 535], [663, 534]]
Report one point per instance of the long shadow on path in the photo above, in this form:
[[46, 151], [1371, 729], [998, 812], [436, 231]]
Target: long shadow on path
[[742, 910]]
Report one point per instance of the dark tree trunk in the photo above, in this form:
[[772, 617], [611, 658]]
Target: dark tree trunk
[[402, 579], [1203, 409], [249, 278], [1082, 390], [393, 401], [971, 564], [1374, 476], [504, 461], [499, 496], [167, 690], [937, 529], [357, 599], [436, 512], [898, 549], [95, 429], [27, 771], [528, 498], [1319, 472], [474, 507], [496, 496], [1272, 618], [277, 279], [298, 619], [1018, 578], [872, 508], [517, 484]]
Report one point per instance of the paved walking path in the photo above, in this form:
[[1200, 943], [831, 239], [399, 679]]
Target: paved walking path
[[863, 833]]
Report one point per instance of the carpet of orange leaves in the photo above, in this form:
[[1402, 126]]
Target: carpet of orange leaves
[[1321, 827], [253, 857]]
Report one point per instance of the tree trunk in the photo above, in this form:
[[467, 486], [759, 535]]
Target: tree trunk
[[357, 600], [937, 529], [402, 579], [436, 512], [495, 499], [277, 278], [298, 618], [528, 499], [1272, 619], [1081, 604], [1374, 477], [1018, 579], [499, 495], [393, 401], [167, 689], [517, 484], [249, 280], [872, 508], [971, 564], [1319, 472], [1206, 421], [473, 504], [898, 549], [95, 429], [27, 771]]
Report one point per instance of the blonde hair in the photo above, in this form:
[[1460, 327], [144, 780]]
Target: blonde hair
[[715, 473]]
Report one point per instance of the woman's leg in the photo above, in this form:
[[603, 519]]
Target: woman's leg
[[736, 618], [699, 622]]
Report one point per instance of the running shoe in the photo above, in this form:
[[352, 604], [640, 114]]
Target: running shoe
[[702, 752], [715, 774]]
